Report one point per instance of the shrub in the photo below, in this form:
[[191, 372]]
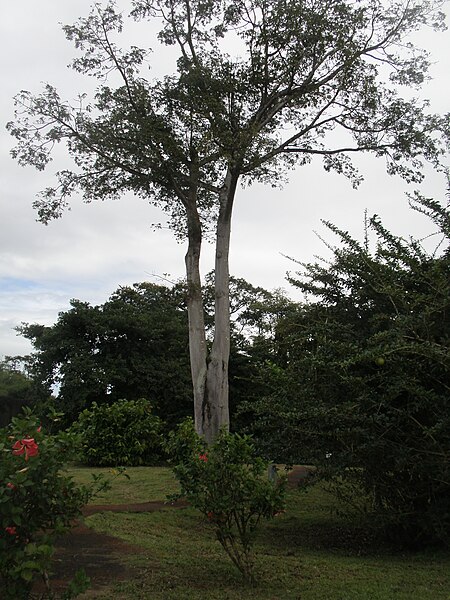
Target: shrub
[[124, 433], [37, 503], [365, 389], [228, 483]]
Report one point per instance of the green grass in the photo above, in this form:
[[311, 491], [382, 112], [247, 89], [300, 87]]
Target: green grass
[[145, 484], [310, 553]]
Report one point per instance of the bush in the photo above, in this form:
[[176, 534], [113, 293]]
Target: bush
[[365, 392], [124, 433], [37, 503], [228, 483]]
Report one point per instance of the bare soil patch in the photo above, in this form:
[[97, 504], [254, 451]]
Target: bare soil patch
[[99, 554]]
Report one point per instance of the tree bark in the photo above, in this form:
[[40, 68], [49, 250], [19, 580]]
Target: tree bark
[[197, 337], [216, 409], [210, 372]]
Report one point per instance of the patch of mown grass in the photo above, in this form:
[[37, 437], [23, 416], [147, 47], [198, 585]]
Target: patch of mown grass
[[310, 553], [145, 484]]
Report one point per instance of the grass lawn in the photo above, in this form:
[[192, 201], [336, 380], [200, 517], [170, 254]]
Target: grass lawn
[[310, 553], [145, 484]]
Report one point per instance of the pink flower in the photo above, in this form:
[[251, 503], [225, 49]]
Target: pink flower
[[11, 530], [11, 486], [39, 429], [26, 446], [203, 457]]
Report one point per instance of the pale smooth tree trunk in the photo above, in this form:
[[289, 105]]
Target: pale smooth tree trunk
[[197, 337], [217, 415], [210, 372]]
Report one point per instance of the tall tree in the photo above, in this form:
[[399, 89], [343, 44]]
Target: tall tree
[[259, 87]]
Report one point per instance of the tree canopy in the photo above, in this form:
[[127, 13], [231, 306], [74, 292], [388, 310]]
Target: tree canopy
[[133, 346], [16, 389], [259, 87]]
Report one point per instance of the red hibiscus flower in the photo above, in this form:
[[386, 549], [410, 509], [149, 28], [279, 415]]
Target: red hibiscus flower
[[203, 457], [11, 486], [11, 530], [26, 446]]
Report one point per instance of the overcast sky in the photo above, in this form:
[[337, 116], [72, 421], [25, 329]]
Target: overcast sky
[[95, 248]]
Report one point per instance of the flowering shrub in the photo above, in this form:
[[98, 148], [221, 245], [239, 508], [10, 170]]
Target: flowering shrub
[[228, 483], [37, 503], [26, 446]]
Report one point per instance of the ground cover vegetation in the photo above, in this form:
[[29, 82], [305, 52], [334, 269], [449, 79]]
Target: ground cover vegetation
[[305, 79], [143, 484], [313, 551]]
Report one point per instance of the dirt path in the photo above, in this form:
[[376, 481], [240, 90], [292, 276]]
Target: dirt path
[[132, 508], [100, 554]]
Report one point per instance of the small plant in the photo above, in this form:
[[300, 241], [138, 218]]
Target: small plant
[[228, 483], [37, 503], [124, 433]]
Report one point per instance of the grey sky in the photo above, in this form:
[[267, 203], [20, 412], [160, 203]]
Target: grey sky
[[95, 248]]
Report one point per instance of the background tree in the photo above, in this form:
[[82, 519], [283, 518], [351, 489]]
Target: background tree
[[365, 393], [16, 390], [133, 346], [255, 314], [302, 71]]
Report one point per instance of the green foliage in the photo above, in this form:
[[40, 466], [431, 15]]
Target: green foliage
[[124, 433], [227, 482], [16, 390], [37, 503], [365, 393], [133, 346], [316, 68]]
